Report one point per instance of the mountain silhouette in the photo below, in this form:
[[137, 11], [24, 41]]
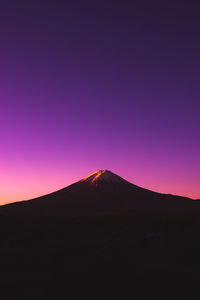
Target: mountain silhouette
[[102, 232], [100, 193]]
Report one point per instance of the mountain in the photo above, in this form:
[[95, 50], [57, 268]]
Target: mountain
[[100, 193], [101, 232]]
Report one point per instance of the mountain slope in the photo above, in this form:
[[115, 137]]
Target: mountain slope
[[101, 232], [102, 192]]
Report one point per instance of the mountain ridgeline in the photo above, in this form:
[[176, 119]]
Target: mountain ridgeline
[[100, 193], [101, 232]]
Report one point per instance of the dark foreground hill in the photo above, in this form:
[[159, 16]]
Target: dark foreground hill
[[99, 233]]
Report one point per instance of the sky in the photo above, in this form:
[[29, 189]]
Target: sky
[[88, 85]]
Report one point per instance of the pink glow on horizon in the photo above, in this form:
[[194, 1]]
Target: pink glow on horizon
[[80, 93], [28, 185]]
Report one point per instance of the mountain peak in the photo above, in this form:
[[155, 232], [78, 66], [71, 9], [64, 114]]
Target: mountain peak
[[104, 176]]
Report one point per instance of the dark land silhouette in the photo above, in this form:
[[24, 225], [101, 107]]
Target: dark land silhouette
[[101, 232]]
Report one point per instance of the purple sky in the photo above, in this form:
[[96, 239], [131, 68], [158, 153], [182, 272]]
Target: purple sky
[[95, 85]]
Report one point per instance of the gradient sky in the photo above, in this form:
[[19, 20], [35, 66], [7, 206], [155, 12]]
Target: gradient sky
[[89, 85]]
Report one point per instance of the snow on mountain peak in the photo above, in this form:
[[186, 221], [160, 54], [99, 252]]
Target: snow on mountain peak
[[103, 176]]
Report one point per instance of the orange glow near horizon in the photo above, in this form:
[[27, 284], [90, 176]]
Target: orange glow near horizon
[[33, 185]]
